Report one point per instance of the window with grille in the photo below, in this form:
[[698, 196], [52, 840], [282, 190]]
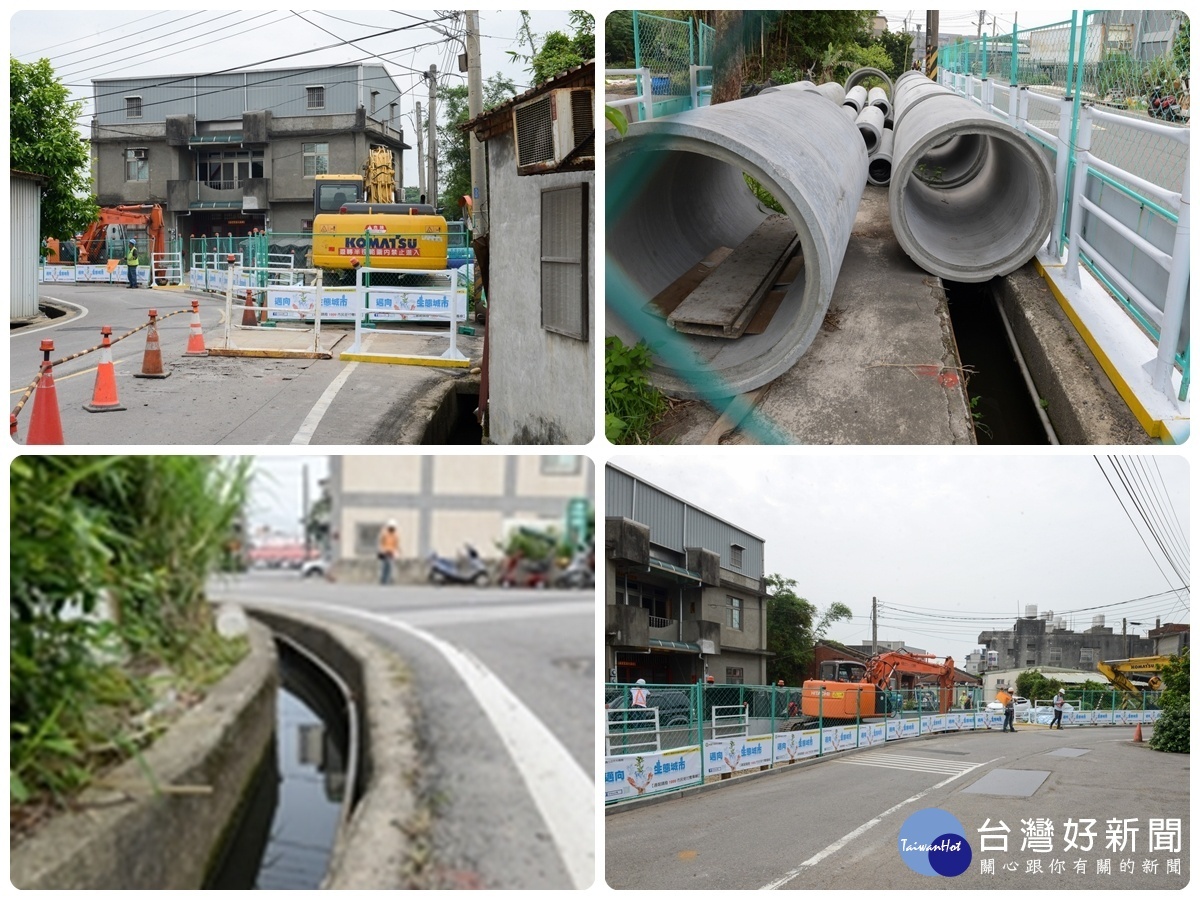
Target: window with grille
[[1087, 654], [227, 169], [733, 613], [133, 107], [137, 166], [564, 261], [316, 159], [316, 97], [1055, 656], [735, 555], [734, 675]]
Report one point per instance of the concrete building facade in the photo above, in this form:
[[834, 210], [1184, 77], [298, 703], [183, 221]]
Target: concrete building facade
[[1036, 641], [232, 152], [683, 590], [441, 503], [538, 383]]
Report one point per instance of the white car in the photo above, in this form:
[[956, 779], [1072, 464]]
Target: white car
[[314, 568], [1021, 706]]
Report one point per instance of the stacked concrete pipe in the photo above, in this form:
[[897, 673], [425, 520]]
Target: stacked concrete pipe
[[869, 123], [830, 89], [860, 75], [856, 97], [677, 192], [879, 166], [877, 96], [970, 197]]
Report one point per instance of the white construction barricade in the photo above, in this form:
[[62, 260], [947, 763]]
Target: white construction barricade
[[273, 321], [167, 269], [375, 309]]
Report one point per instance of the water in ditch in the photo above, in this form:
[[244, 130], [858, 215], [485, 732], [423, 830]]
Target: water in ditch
[[285, 835], [1002, 409]]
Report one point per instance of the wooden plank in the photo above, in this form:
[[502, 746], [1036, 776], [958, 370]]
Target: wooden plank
[[729, 420], [665, 301], [723, 304], [774, 298]]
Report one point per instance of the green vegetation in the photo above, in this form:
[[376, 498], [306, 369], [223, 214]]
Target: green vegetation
[[558, 51], [454, 143], [1034, 686], [109, 630], [1172, 731], [631, 403], [791, 633], [42, 140]]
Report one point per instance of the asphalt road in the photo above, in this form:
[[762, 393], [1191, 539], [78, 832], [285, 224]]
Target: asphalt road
[[211, 400], [505, 683], [836, 823]]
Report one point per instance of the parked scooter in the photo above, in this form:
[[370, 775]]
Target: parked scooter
[[580, 572], [521, 571], [469, 568]]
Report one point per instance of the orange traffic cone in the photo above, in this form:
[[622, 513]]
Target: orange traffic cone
[[195, 345], [104, 395], [1137, 734], [249, 316], [45, 424], [152, 365]]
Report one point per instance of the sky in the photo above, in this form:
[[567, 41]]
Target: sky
[[966, 21], [951, 545], [277, 489], [83, 45]]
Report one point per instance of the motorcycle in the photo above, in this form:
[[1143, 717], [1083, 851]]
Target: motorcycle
[[1164, 106], [469, 568], [580, 572], [521, 571]]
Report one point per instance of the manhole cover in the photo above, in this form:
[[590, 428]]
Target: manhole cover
[[1008, 783]]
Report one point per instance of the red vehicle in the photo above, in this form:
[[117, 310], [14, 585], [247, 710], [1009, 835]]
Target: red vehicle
[[521, 571]]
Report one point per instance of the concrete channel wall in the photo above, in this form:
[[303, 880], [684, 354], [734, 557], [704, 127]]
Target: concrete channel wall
[[376, 844], [125, 834]]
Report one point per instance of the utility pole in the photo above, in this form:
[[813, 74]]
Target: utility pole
[[979, 27], [474, 108], [874, 626], [931, 43], [431, 155], [420, 153]]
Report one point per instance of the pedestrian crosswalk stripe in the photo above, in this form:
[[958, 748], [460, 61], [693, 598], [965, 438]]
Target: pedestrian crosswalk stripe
[[909, 763]]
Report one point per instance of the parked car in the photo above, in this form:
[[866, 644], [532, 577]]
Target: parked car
[[1021, 707], [674, 707], [314, 568]]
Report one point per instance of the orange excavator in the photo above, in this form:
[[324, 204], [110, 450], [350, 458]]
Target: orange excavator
[[109, 236], [848, 690]]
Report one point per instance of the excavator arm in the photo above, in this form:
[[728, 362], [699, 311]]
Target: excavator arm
[[881, 668]]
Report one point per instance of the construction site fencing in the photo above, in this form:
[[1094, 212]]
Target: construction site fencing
[[1127, 219], [272, 313], [672, 62], [429, 296], [667, 737]]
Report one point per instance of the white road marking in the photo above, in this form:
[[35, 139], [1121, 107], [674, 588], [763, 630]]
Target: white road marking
[[864, 828], [82, 314], [309, 427], [563, 792], [910, 763]]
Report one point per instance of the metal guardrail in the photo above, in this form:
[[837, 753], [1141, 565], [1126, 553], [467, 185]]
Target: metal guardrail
[[641, 103]]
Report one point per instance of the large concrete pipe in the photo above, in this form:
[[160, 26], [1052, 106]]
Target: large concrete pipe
[[970, 197], [877, 96], [856, 97], [879, 166], [869, 123], [830, 89], [860, 75], [676, 193]]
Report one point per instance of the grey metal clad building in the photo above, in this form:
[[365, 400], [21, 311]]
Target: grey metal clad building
[[684, 593], [25, 235], [236, 151]]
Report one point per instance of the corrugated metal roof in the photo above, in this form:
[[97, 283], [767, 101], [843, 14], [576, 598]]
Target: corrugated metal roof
[[498, 120]]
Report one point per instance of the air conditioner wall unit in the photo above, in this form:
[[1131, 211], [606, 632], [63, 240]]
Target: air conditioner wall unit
[[550, 128], [139, 153]]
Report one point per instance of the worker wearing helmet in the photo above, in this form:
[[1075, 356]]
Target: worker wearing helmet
[[131, 263]]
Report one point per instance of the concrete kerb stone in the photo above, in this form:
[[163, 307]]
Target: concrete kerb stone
[[126, 834], [1082, 404], [378, 846]]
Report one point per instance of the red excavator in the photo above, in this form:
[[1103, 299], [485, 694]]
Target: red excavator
[[109, 236], [848, 690]]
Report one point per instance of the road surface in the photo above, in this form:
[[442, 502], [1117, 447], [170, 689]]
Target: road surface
[[212, 400], [505, 683], [836, 823]]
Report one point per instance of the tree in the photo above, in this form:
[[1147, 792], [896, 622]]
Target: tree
[[43, 140], [618, 39], [559, 51], [1033, 685], [790, 630], [1172, 731], [729, 56], [454, 143]]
